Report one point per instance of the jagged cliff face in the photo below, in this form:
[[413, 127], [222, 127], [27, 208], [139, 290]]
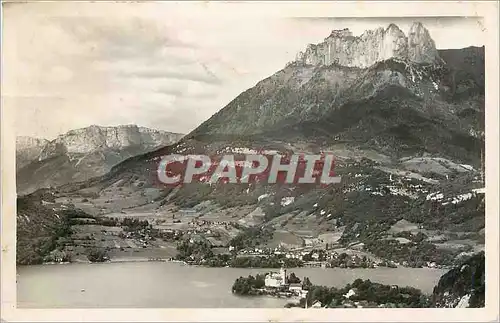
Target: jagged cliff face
[[336, 103], [28, 149], [85, 153], [320, 95], [93, 138], [421, 47], [342, 48]]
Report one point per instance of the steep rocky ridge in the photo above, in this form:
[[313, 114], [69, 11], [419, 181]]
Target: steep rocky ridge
[[88, 152], [90, 139], [307, 91], [28, 149], [342, 48], [305, 100]]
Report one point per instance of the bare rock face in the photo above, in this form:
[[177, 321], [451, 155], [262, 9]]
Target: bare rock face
[[28, 149], [421, 47], [342, 48], [96, 138], [85, 153]]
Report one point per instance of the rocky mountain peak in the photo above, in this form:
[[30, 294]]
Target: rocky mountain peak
[[421, 47], [342, 48], [340, 33], [393, 27]]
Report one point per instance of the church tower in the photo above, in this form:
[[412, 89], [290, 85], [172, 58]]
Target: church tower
[[283, 275]]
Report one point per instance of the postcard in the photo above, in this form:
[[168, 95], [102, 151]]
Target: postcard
[[250, 161]]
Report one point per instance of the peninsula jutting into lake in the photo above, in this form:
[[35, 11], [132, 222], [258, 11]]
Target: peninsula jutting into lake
[[357, 294], [365, 293]]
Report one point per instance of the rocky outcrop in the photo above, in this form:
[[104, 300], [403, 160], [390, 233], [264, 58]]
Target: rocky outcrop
[[88, 152], [28, 149], [93, 138], [421, 47], [342, 48], [463, 286]]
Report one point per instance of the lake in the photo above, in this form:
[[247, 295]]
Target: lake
[[164, 285]]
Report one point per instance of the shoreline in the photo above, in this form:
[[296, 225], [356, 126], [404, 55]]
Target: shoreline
[[198, 276], [166, 260], [110, 261]]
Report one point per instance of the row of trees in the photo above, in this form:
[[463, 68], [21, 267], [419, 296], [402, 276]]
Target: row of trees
[[413, 253], [272, 261], [97, 255], [196, 251], [248, 285], [201, 254]]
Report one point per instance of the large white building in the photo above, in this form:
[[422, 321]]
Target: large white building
[[275, 279]]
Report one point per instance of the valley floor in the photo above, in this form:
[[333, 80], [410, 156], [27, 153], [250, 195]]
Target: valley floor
[[139, 235]]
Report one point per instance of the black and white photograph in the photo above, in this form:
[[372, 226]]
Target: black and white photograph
[[212, 155]]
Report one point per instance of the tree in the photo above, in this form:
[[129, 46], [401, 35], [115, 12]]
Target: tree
[[292, 279], [306, 283], [358, 282], [247, 286], [307, 257], [241, 286], [97, 255], [260, 281]]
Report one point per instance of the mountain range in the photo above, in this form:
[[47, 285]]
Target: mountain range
[[28, 149], [82, 153], [398, 104]]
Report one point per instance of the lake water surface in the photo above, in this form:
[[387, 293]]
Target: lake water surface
[[164, 285]]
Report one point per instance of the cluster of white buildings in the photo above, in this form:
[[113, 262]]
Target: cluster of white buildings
[[279, 280], [276, 280]]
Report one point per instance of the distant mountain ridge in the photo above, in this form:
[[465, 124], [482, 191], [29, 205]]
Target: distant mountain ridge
[[28, 149], [83, 153], [92, 138]]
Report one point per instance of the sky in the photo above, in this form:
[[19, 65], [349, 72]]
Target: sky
[[163, 65]]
